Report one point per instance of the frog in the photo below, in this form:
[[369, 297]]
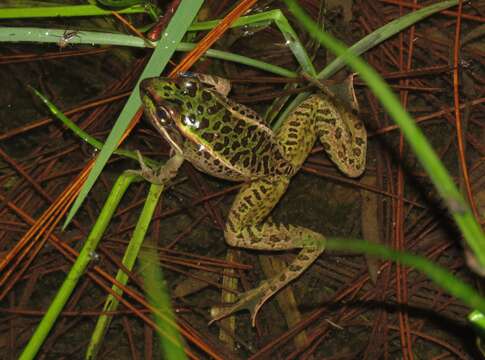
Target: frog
[[230, 141]]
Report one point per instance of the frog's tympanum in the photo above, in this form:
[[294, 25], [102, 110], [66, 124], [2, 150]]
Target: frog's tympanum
[[230, 141]]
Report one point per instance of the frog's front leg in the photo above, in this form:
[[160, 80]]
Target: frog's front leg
[[247, 227], [164, 174]]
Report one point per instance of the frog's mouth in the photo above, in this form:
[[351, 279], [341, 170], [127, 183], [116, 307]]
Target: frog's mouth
[[161, 114]]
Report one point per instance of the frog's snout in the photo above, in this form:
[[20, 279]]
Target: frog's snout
[[145, 85]]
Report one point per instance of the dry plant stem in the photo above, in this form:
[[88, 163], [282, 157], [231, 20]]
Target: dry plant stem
[[456, 99], [212, 37], [444, 12], [401, 277]]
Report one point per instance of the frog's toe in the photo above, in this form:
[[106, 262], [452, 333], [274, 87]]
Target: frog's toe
[[251, 300]]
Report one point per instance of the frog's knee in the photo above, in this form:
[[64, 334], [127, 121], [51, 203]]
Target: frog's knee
[[231, 237]]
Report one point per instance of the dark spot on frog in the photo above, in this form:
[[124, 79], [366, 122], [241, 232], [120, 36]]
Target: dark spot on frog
[[253, 161], [218, 146], [214, 108], [177, 101], [236, 157], [294, 268], [356, 151], [226, 142], [338, 133], [359, 141], [205, 154], [274, 239], [206, 96], [305, 106], [200, 109], [266, 164], [208, 136], [266, 148], [277, 156], [225, 130], [251, 128], [216, 126], [204, 123], [227, 117], [235, 145], [325, 111]]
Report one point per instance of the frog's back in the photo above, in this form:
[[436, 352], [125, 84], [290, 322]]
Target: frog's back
[[231, 145]]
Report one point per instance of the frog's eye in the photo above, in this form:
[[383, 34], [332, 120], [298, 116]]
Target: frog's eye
[[189, 87], [163, 115]]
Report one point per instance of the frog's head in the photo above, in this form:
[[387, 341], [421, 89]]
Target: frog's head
[[175, 105]]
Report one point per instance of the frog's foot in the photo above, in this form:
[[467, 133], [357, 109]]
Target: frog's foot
[[251, 300], [161, 176]]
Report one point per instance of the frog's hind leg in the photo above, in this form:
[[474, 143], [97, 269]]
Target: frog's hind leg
[[247, 228]]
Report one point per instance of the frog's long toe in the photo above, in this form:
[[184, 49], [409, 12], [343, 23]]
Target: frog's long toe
[[251, 300]]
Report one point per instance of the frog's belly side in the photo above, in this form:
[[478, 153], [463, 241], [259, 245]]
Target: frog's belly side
[[204, 162]]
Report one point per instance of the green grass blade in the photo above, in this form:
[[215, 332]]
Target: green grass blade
[[383, 33], [440, 276], [276, 16], [79, 266], [41, 35], [244, 60], [62, 11], [171, 342], [158, 295], [477, 318], [442, 181], [44, 35], [85, 136], [176, 29]]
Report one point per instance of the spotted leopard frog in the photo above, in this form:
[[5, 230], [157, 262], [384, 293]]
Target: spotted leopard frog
[[230, 141]]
